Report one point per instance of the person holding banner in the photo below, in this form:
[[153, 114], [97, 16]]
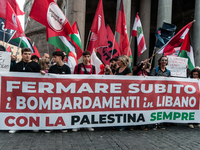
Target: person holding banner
[[113, 65], [58, 68], [140, 69], [85, 68], [195, 74], [26, 64], [161, 70], [123, 69]]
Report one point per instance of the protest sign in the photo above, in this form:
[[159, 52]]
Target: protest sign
[[5, 61], [177, 66], [31, 101]]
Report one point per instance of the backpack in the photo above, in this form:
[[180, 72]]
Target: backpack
[[85, 72], [157, 72]]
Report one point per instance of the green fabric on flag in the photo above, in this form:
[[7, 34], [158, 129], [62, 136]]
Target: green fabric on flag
[[75, 38], [57, 42], [185, 55], [130, 64], [23, 43]]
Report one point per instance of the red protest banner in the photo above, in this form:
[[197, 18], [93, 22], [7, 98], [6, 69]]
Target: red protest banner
[[55, 101]]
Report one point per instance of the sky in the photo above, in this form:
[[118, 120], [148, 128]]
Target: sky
[[21, 18]]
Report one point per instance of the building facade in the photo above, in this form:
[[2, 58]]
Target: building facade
[[152, 14]]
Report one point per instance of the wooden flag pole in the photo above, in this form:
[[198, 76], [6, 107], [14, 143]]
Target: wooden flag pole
[[113, 45]]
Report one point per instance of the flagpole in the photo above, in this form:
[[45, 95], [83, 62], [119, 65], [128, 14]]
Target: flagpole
[[11, 38], [113, 45], [88, 40], [129, 45], [28, 19], [4, 32], [153, 54]]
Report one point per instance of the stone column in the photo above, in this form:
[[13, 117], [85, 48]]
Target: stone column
[[164, 14], [145, 17], [196, 33], [127, 8], [76, 12]]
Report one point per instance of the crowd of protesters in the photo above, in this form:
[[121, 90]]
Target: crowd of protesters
[[118, 66]]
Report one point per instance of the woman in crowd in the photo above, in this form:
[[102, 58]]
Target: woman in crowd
[[123, 69], [43, 62]]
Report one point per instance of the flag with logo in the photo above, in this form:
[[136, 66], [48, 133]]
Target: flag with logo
[[106, 52], [98, 36], [98, 29], [138, 32], [12, 21], [48, 13], [186, 51], [14, 5], [168, 48]]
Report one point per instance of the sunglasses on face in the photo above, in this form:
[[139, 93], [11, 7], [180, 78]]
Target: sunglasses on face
[[164, 60]]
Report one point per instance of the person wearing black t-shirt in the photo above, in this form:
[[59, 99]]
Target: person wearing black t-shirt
[[59, 67], [123, 69], [26, 64]]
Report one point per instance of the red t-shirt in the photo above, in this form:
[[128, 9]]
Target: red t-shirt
[[88, 68]]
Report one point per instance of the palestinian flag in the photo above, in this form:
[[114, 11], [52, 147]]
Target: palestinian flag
[[61, 42], [76, 39], [186, 51], [24, 43]]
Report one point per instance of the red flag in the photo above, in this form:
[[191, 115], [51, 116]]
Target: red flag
[[36, 52], [13, 4], [12, 21], [168, 48], [106, 52], [98, 37], [50, 15], [121, 28], [8, 49]]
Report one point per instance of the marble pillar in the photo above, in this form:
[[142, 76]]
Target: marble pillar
[[76, 12], [145, 17], [196, 33], [164, 14]]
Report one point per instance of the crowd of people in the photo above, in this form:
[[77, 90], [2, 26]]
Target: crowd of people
[[118, 66]]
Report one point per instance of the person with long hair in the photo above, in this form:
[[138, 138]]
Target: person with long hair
[[123, 69], [43, 62]]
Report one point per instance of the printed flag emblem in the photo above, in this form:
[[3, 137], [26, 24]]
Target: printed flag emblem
[[55, 17]]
